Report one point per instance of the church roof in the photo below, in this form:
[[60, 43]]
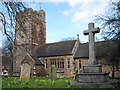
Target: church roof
[[29, 58], [82, 51], [55, 49], [102, 49], [37, 61]]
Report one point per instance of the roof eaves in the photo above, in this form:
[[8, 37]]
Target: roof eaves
[[55, 55]]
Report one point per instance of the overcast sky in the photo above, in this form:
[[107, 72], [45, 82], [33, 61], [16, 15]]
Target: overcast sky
[[67, 18]]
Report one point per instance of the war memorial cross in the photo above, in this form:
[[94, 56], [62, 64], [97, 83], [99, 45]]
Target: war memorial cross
[[91, 74], [91, 32]]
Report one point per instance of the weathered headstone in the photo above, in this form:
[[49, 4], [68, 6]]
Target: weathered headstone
[[25, 72], [92, 74], [53, 72]]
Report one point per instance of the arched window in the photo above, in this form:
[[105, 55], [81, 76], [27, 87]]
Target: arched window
[[46, 63], [60, 63], [68, 63], [79, 64], [53, 61]]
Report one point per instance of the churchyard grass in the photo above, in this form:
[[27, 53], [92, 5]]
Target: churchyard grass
[[35, 82], [42, 82]]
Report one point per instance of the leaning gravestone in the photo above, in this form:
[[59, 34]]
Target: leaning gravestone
[[53, 72], [25, 72], [92, 74]]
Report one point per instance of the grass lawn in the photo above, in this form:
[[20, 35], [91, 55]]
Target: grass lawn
[[41, 82]]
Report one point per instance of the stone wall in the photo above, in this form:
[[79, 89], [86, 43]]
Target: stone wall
[[68, 70], [63, 70], [80, 63], [106, 66], [40, 71], [30, 31]]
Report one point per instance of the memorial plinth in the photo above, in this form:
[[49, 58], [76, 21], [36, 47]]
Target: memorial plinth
[[92, 74], [92, 69], [92, 77]]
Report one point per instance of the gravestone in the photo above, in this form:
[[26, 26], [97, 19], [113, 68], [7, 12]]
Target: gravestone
[[53, 72], [92, 74], [25, 72]]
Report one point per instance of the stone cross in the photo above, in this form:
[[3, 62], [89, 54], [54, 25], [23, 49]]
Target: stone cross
[[91, 32]]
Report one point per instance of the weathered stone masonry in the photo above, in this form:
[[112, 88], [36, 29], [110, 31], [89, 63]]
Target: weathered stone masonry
[[30, 31]]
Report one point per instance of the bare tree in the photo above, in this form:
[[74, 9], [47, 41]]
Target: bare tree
[[7, 47], [110, 52], [110, 21], [110, 26], [11, 9], [7, 50], [8, 28]]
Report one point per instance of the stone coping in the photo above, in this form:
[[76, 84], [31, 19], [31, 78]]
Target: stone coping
[[103, 73]]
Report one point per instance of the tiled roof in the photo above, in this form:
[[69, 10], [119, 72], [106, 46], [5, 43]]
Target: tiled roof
[[100, 48], [37, 61], [55, 49], [33, 58], [82, 51]]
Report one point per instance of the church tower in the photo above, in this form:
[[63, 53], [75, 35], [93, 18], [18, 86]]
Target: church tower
[[30, 31]]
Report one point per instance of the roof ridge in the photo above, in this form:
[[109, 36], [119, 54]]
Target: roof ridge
[[97, 42], [59, 42]]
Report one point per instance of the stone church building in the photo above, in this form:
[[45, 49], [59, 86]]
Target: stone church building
[[31, 48], [30, 31]]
